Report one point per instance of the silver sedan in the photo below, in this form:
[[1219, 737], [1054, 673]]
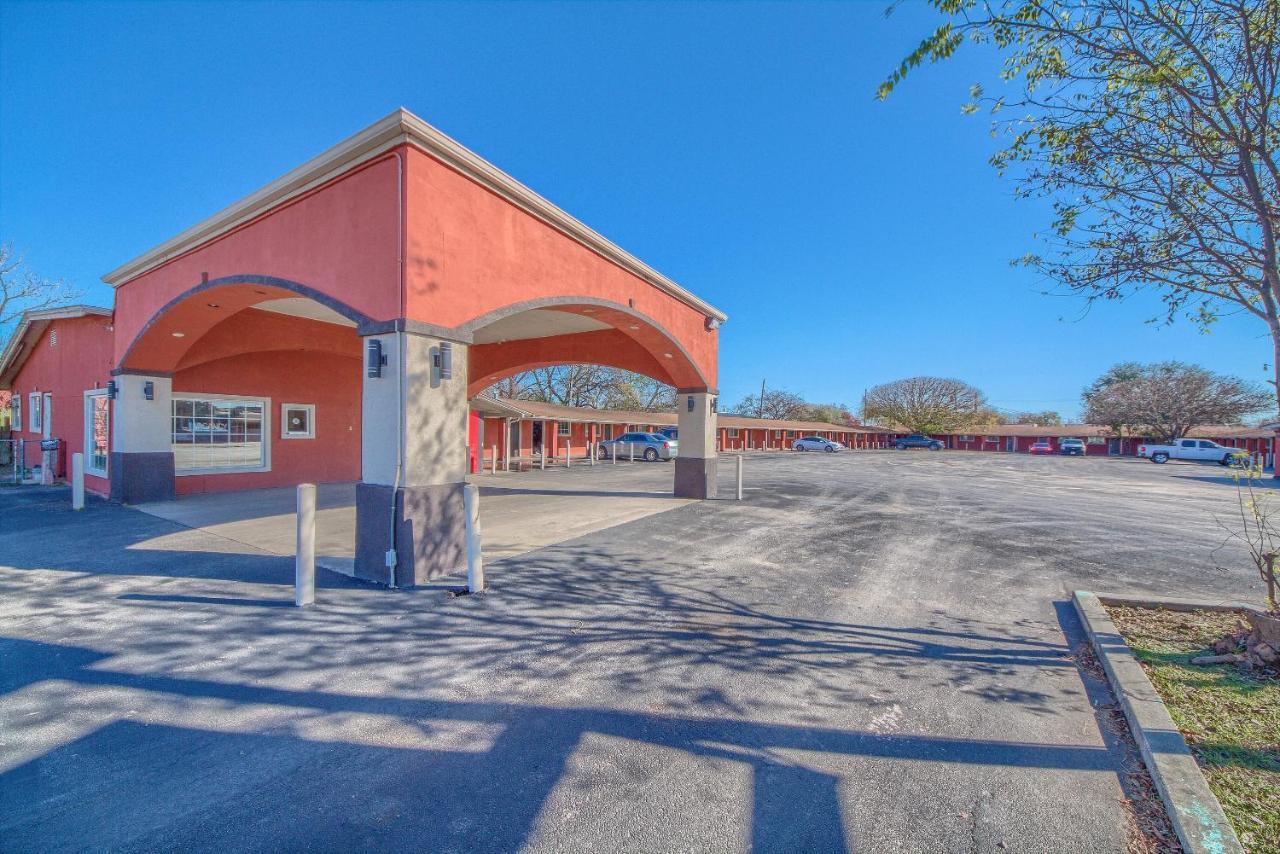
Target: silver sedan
[[816, 443]]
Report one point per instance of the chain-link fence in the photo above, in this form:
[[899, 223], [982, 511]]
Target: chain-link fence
[[26, 460]]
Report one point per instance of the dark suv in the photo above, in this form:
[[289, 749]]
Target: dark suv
[[918, 441]]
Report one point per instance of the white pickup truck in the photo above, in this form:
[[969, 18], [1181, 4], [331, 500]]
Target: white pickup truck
[[1193, 449]]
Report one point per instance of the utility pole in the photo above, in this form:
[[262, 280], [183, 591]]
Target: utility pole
[[760, 408]]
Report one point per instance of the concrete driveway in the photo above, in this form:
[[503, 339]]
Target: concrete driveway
[[519, 511], [872, 652]]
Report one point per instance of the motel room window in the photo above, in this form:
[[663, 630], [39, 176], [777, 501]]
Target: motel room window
[[966, 438], [15, 407], [213, 433], [563, 428], [1095, 440], [35, 412], [97, 429], [297, 421], [733, 433]]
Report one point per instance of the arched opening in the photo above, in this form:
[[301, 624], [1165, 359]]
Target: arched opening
[[573, 333], [247, 383]]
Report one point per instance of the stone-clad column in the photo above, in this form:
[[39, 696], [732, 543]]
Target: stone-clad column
[[413, 462], [696, 457], [141, 466]]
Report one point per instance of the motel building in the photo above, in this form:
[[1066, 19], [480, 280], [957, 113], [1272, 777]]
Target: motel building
[[335, 326]]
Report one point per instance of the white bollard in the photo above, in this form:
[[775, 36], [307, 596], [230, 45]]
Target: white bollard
[[542, 459], [739, 477], [568, 454], [632, 446], [475, 562], [495, 459], [77, 481], [304, 583], [613, 455], [591, 453]]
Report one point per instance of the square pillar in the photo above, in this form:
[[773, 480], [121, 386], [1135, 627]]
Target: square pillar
[[141, 461], [696, 457], [413, 453]]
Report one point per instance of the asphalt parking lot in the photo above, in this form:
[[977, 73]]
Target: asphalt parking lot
[[872, 652]]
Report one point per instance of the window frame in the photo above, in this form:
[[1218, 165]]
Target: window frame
[[733, 432], [285, 432], [564, 429], [15, 412], [91, 396], [35, 414], [266, 433]]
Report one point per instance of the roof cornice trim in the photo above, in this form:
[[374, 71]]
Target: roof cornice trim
[[398, 128]]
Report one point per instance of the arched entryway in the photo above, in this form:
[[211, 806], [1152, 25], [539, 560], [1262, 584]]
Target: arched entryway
[[239, 384]]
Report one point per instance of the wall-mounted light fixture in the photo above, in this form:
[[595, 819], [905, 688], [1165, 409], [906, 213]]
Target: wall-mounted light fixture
[[712, 324], [374, 359], [149, 390], [111, 389], [443, 358], [690, 403]]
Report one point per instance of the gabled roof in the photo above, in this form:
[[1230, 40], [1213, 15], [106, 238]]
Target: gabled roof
[[30, 327], [399, 128]]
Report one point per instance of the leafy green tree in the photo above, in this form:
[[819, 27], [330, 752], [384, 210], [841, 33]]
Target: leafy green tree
[[1152, 129]]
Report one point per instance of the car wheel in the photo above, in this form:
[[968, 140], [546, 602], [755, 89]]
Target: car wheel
[[901, 447], [1160, 458], [829, 449], [651, 455], [935, 447]]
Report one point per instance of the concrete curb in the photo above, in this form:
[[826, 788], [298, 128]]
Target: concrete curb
[[1196, 815], [1142, 601]]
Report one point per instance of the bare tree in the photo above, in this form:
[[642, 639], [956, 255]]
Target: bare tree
[[1169, 399], [22, 289], [1047, 418], [590, 386], [776, 403], [925, 405], [1152, 129]]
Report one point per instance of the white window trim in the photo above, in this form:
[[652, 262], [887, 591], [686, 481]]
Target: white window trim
[[88, 434], [564, 428], [35, 411], [15, 412], [733, 432], [311, 421], [266, 431]]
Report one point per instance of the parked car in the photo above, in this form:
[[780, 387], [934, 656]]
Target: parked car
[[1201, 450], [647, 446], [816, 443], [670, 432], [1069, 447], [1041, 448], [917, 441]]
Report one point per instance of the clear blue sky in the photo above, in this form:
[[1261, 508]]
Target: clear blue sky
[[738, 148]]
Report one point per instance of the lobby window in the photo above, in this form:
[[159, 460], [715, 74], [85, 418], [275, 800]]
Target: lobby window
[[35, 413], [97, 429], [297, 421], [212, 434], [15, 407]]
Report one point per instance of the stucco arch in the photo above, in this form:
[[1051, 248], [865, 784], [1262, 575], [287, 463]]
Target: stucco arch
[[621, 337], [167, 336]]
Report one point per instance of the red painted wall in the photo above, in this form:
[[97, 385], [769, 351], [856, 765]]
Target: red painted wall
[[471, 252], [341, 239], [330, 381], [81, 360]]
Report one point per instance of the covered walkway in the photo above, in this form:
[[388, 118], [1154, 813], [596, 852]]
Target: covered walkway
[[519, 511]]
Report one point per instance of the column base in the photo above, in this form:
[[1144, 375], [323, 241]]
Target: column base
[[695, 477], [139, 477], [431, 534]]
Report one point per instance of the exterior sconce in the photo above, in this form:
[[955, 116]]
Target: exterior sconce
[[443, 358], [111, 389], [149, 390], [374, 359], [712, 324], [690, 404]]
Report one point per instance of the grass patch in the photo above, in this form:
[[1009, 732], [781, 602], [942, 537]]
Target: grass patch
[[1229, 717]]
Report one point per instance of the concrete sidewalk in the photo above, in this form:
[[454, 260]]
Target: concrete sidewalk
[[519, 511]]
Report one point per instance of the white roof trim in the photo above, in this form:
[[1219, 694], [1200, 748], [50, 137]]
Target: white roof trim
[[400, 127], [9, 362]]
